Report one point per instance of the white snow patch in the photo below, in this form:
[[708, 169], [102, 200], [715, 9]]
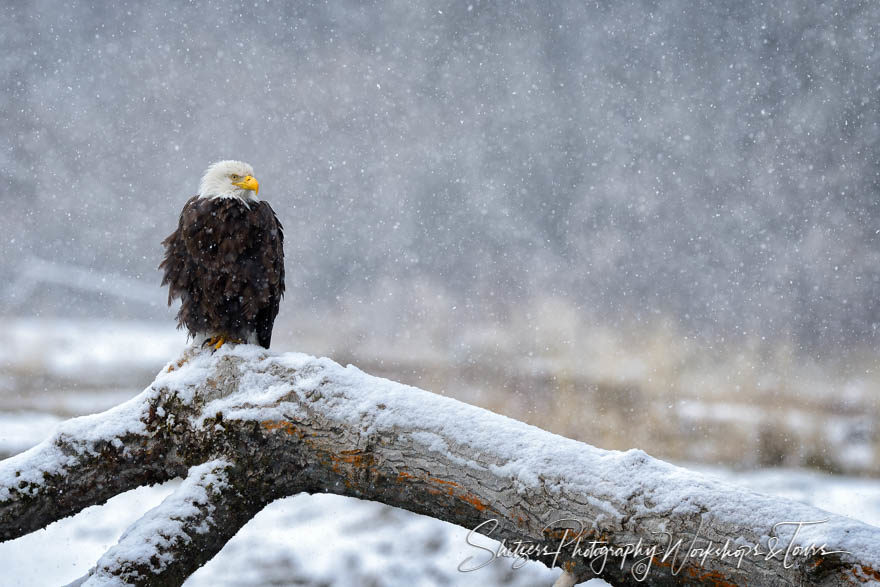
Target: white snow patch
[[148, 540]]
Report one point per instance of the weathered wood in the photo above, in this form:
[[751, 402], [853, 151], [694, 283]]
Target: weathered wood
[[73, 471], [173, 540], [251, 427]]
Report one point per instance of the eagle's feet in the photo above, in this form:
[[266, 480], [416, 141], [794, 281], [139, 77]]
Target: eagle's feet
[[215, 341], [219, 341]]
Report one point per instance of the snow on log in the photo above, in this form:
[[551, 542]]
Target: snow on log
[[244, 427]]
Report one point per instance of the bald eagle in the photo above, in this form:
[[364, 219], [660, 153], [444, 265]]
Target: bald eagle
[[225, 261]]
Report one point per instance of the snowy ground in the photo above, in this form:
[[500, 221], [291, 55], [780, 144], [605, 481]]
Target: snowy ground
[[55, 348]]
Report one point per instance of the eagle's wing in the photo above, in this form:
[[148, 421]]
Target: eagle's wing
[[271, 260], [177, 264], [191, 266]]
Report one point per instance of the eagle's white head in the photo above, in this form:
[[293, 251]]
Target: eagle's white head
[[229, 179]]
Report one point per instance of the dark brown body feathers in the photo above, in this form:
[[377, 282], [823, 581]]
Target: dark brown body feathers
[[225, 262]]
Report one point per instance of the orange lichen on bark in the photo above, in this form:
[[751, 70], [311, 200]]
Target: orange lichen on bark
[[180, 363], [863, 574], [474, 501], [450, 488], [357, 458], [284, 425]]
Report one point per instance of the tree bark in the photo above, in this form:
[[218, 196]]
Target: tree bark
[[245, 427]]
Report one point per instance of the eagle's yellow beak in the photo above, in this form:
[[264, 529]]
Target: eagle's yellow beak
[[249, 183]]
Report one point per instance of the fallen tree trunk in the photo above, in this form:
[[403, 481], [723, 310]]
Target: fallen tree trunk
[[245, 427]]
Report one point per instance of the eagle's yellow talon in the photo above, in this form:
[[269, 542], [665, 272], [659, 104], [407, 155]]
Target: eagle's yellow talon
[[214, 341], [218, 341]]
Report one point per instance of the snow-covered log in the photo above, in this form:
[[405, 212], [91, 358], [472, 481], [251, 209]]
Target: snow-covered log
[[244, 427]]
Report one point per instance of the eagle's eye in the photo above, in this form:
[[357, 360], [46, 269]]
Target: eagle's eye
[[235, 177]]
